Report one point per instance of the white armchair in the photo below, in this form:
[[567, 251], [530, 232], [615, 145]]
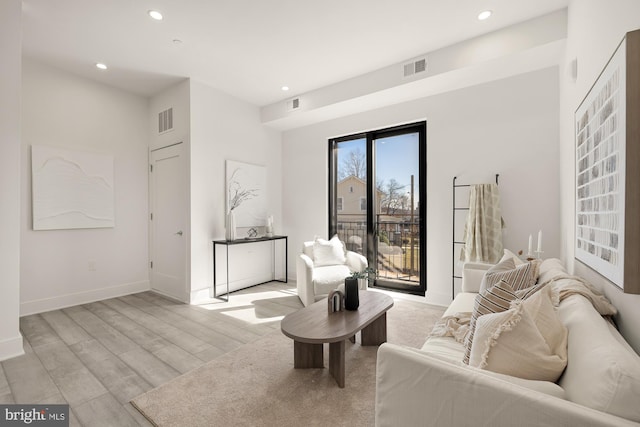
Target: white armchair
[[316, 281]]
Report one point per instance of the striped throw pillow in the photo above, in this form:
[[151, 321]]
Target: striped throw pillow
[[520, 277], [493, 300]]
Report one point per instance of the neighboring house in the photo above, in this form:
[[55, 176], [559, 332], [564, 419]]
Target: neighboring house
[[352, 200]]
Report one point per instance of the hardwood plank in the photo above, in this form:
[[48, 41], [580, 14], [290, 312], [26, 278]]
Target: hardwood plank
[[76, 383], [73, 419], [37, 331], [182, 339], [212, 319], [107, 335], [133, 330], [29, 380], [177, 358], [6, 397], [149, 367], [68, 330], [122, 381], [198, 330]]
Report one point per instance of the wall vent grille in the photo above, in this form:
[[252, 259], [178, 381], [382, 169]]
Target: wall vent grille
[[293, 104], [415, 67], [165, 120]]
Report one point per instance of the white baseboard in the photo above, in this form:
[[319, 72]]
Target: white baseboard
[[200, 295], [11, 347], [68, 300]]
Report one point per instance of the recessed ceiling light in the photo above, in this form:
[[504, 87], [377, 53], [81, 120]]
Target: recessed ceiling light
[[484, 15], [155, 15], [101, 66], [285, 88], [177, 41]]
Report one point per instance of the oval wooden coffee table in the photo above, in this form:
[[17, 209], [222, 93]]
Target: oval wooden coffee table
[[313, 326]]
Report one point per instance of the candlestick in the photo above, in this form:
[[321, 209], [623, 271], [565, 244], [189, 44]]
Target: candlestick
[[530, 248], [539, 241]]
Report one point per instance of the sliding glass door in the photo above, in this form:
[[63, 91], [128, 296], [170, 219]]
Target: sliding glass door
[[377, 202]]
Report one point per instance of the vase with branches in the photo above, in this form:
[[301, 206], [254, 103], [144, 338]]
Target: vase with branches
[[236, 196]]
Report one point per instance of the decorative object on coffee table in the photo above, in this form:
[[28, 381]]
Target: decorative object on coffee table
[[335, 301], [351, 300]]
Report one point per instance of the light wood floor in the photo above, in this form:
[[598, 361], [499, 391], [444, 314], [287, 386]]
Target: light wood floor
[[97, 357]]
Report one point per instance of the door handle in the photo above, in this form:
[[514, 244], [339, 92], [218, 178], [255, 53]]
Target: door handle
[[179, 233]]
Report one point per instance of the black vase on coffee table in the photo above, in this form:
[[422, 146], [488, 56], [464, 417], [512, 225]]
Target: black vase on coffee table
[[351, 300]]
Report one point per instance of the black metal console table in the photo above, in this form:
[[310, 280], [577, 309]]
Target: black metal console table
[[227, 243]]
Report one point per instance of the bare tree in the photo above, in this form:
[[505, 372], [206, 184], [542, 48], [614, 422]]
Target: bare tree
[[394, 196], [354, 164]]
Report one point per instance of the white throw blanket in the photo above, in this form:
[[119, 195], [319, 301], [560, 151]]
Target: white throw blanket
[[483, 229]]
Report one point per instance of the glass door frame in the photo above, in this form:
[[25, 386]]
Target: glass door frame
[[421, 129]]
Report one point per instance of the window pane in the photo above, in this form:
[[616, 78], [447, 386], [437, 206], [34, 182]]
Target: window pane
[[397, 218], [351, 190]]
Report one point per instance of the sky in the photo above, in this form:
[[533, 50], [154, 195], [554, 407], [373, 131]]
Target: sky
[[396, 157]]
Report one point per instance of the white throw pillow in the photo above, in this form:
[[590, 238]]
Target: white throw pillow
[[527, 341], [328, 252]]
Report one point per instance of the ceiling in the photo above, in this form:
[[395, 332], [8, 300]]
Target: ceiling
[[251, 48]]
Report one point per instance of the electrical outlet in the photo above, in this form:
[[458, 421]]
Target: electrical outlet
[[92, 265]]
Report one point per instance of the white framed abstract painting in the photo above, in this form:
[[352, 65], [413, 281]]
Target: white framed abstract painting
[[607, 234], [71, 189], [246, 193]]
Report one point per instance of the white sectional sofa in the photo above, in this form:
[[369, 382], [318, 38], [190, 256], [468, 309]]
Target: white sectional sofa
[[431, 386]]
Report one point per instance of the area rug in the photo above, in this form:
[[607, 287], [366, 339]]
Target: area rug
[[256, 384]]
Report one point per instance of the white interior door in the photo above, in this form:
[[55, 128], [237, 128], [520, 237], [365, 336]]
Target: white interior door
[[168, 222]]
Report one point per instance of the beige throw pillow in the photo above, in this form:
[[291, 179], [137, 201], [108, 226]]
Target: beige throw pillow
[[519, 277], [527, 341]]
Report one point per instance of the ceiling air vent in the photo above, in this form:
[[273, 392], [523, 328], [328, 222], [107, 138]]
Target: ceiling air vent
[[293, 104], [415, 67], [165, 120]]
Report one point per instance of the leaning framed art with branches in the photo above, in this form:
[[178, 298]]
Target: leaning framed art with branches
[[607, 143]]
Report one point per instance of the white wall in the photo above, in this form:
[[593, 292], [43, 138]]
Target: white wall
[[62, 110], [10, 77], [594, 30], [223, 127], [176, 97], [508, 127]]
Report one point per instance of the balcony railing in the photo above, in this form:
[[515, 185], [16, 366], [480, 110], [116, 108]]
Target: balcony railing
[[398, 242]]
